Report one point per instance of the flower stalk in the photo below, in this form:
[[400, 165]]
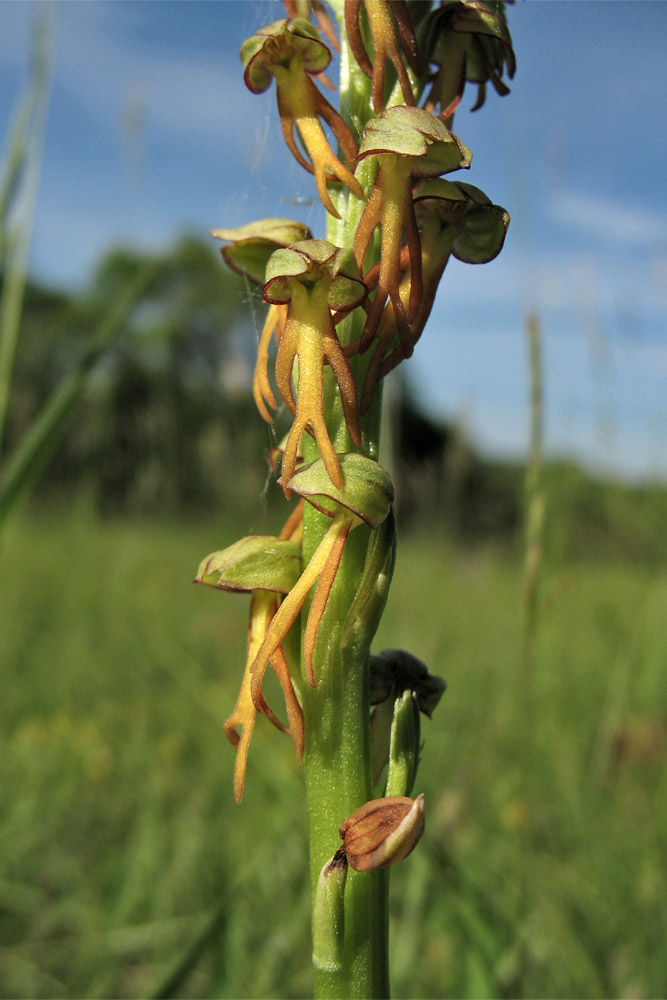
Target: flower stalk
[[343, 312]]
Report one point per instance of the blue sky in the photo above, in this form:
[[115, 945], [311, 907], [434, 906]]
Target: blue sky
[[151, 132]]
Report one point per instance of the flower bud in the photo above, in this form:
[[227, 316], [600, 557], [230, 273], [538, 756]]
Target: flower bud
[[329, 913], [382, 832]]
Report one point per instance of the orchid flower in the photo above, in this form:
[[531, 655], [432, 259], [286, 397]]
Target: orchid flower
[[469, 40], [385, 44], [311, 278], [292, 51], [408, 142], [249, 249], [365, 497], [303, 8], [265, 567], [458, 220]]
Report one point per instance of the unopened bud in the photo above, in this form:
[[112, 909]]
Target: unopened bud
[[329, 913], [382, 832]]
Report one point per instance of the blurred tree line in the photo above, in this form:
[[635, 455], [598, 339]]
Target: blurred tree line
[[168, 426]]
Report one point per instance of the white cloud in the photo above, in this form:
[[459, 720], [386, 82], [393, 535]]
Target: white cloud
[[614, 220]]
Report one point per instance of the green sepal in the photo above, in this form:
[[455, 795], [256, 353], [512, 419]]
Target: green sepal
[[276, 44], [413, 132], [404, 744], [367, 489], [477, 226], [252, 244], [312, 261], [256, 562]]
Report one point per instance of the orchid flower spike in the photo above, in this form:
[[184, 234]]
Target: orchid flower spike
[[468, 40], [385, 44], [408, 142], [265, 567], [311, 278], [365, 497], [292, 51], [249, 249]]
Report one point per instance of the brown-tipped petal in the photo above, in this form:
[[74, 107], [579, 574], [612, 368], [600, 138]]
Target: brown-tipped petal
[[261, 387], [339, 529], [339, 128], [289, 611], [385, 47], [292, 530], [354, 38], [287, 129], [326, 25], [262, 607], [415, 252], [406, 34], [294, 712], [348, 389], [244, 715], [369, 221]]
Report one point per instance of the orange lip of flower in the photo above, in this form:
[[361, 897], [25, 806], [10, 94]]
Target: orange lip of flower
[[408, 142], [311, 278], [248, 251], [265, 567], [291, 51], [365, 497], [455, 219]]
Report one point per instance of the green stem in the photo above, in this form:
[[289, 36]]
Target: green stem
[[337, 752]]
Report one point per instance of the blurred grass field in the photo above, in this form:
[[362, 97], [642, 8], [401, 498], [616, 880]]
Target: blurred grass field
[[128, 871]]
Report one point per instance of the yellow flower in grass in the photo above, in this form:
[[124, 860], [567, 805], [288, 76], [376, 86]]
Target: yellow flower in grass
[[292, 51], [408, 143], [312, 278], [266, 567], [365, 497]]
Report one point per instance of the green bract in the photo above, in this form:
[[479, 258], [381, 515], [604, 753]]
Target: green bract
[[252, 244], [404, 745], [257, 562], [413, 132], [480, 226], [367, 489], [310, 261], [277, 44]]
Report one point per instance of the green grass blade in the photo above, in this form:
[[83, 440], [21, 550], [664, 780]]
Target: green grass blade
[[172, 984], [38, 444], [18, 193]]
